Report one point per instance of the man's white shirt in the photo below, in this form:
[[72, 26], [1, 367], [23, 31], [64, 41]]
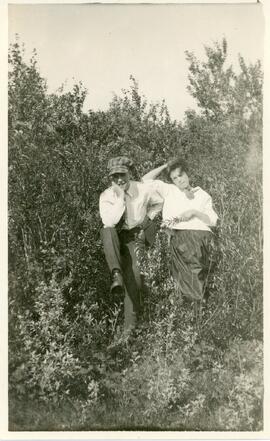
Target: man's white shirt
[[139, 200]]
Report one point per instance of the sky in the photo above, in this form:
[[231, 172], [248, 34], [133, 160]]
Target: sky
[[102, 45]]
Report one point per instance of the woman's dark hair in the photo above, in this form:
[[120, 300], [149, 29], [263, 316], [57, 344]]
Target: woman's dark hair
[[176, 163]]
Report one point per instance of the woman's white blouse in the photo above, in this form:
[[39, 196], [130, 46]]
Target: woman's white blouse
[[176, 203]]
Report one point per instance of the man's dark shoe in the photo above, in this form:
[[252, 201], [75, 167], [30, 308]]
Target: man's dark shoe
[[117, 286]]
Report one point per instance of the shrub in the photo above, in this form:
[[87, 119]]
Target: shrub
[[185, 368]]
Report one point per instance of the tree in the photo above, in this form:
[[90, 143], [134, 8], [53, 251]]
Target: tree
[[230, 104], [210, 82]]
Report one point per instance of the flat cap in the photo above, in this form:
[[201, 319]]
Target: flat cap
[[120, 164]]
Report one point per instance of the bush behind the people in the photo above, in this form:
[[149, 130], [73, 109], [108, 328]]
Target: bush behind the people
[[63, 323]]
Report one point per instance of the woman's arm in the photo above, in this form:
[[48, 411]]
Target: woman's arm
[[206, 214], [188, 214], [154, 173]]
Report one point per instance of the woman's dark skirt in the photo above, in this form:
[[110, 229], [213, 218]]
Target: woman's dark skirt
[[190, 262]]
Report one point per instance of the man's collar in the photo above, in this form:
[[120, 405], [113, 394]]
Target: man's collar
[[131, 189]]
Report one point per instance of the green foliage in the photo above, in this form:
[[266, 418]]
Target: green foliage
[[185, 368]]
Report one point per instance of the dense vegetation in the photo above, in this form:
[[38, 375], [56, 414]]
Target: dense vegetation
[[183, 369]]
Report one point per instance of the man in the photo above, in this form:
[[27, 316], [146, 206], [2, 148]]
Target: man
[[127, 209]]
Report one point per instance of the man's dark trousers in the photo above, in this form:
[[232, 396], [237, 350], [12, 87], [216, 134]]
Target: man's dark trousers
[[120, 252]]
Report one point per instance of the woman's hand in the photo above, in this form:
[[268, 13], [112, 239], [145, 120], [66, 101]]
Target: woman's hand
[[190, 213], [187, 215], [171, 222]]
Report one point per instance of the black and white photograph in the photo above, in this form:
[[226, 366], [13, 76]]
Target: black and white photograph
[[135, 217]]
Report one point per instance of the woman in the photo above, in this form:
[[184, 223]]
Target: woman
[[188, 213]]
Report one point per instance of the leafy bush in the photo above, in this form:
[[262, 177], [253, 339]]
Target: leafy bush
[[185, 367]]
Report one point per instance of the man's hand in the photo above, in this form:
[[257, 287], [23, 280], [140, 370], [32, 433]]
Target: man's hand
[[118, 190]]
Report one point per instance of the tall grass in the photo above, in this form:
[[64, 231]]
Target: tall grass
[[183, 368]]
